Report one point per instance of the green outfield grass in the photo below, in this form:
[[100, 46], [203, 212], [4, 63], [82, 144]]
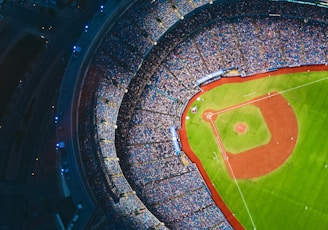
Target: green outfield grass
[[295, 195], [257, 133]]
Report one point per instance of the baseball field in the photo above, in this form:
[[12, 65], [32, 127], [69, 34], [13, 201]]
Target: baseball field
[[261, 145]]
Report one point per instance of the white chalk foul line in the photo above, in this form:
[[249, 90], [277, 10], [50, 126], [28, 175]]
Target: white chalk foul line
[[269, 96], [226, 158]]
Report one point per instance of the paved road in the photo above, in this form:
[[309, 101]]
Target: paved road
[[28, 164]]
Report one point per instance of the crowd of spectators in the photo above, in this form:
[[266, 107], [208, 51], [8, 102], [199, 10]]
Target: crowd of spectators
[[151, 152], [129, 33], [97, 111], [124, 201], [151, 96], [192, 181], [145, 78], [252, 44]]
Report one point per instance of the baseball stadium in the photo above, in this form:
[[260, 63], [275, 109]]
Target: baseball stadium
[[197, 114]]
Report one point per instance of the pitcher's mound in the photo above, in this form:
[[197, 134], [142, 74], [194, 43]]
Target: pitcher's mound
[[240, 127]]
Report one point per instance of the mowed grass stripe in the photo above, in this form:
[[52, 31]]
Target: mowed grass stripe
[[277, 200]]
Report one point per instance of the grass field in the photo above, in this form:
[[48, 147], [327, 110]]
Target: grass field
[[257, 132], [294, 195]]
